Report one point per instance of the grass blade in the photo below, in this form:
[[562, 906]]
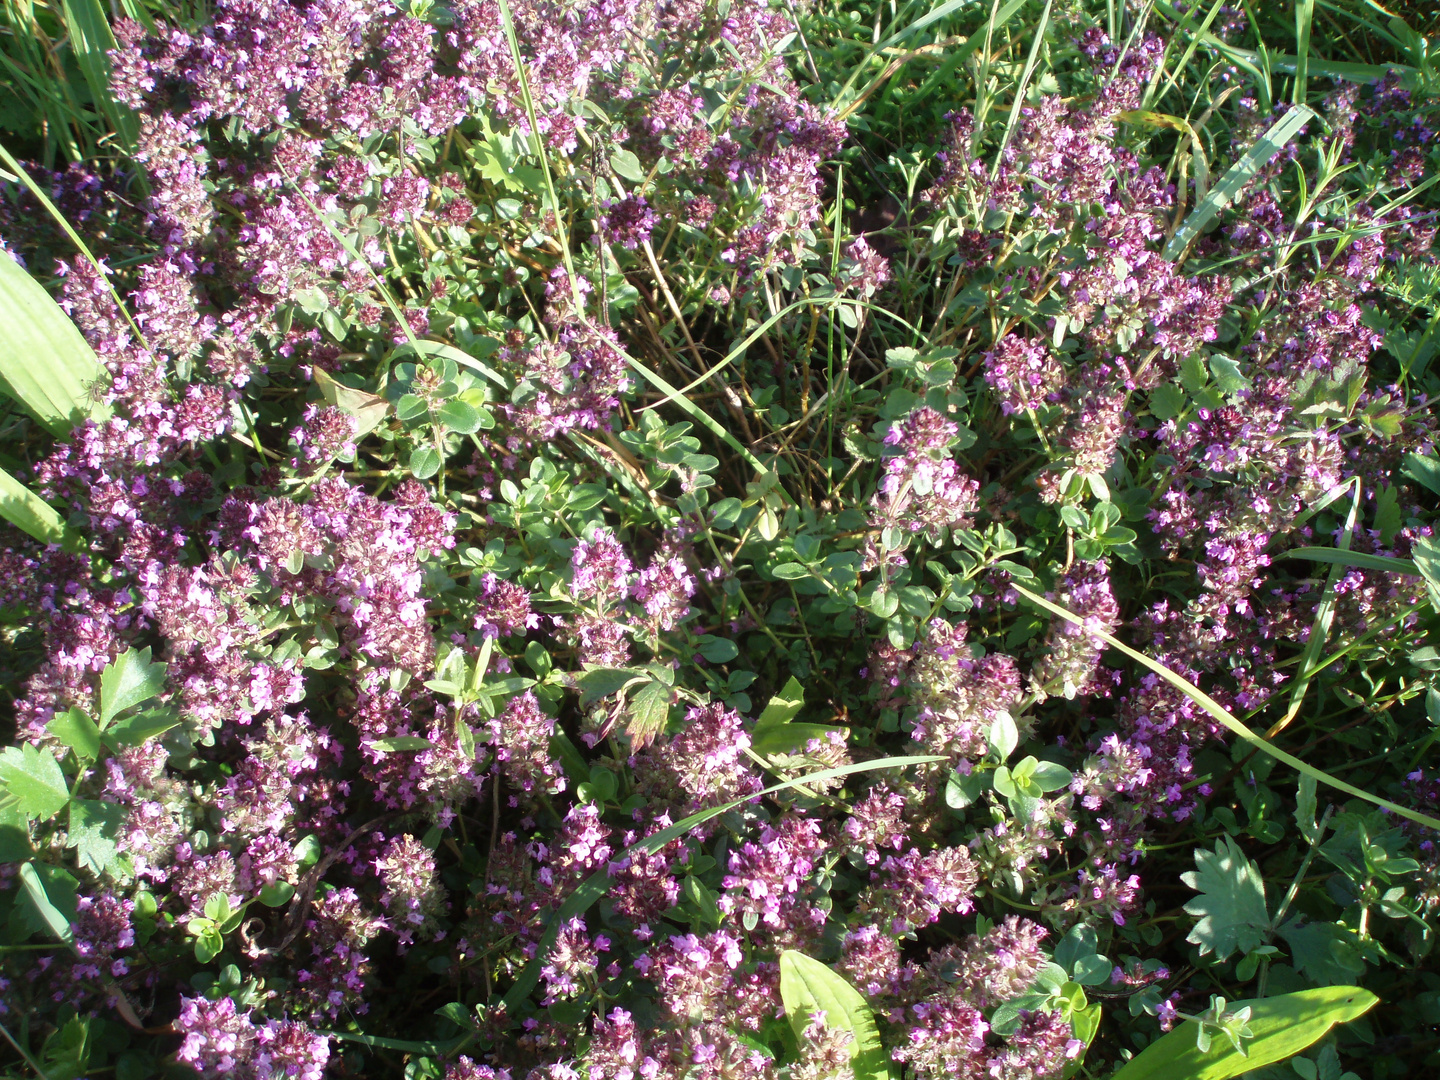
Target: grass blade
[[91, 40], [1320, 628], [598, 883], [1021, 86], [1360, 559], [1304, 16], [1236, 177], [1223, 715], [45, 363]]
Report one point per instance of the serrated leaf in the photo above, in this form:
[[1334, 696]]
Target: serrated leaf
[[1282, 1025], [95, 828], [649, 711], [127, 682], [78, 732], [1324, 952], [1231, 904], [31, 782], [807, 986]]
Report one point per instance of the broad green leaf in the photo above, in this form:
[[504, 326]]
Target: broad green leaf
[[31, 781], [45, 363], [1283, 1026], [627, 165], [127, 682], [14, 835], [402, 743], [1324, 952], [49, 892], [807, 986], [1231, 904], [78, 732], [458, 416], [91, 40], [1423, 470], [1236, 177], [31, 514]]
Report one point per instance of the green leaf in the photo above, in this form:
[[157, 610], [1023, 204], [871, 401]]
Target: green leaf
[[14, 835], [1360, 559], [787, 738], [790, 571], [1231, 904], [45, 363], [784, 706], [78, 732], [807, 986], [649, 712], [50, 895], [127, 682], [1423, 470], [32, 782], [369, 410], [141, 727], [628, 166], [718, 650], [601, 682], [1227, 375], [424, 461], [277, 894], [402, 743], [458, 416], [95, 827], [1167, 401], [1324, 952], [1283, 1026], [1236, 177], [91, 41], [33, 515]]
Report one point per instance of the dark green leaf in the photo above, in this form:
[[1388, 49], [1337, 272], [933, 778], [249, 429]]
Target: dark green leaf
[[458, 416], [95, 828], [137, 729]]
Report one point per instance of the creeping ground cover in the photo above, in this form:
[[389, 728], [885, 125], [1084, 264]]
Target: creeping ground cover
[[719, 540]]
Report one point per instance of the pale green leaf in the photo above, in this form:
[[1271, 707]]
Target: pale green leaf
[[807, 986], [48, 893], [45, 363], [31, 781], [31, 514], [1283, 1026], [1231, 904], [127, 682], [91, 41]]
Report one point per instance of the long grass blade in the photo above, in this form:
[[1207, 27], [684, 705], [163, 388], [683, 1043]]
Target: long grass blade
[[1022, 86], [1362, 560], [1236, 177], [33, 515], [598, 883], [91, 40], [1223, 715], [45, 363], [1304, 16], [1320, 627]]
